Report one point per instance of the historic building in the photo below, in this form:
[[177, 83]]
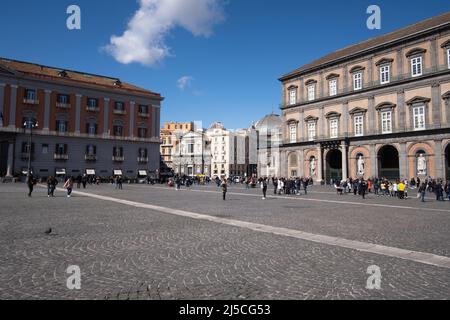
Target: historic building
[[169, 139], [376, 109], [216, 152], [81, 123], [270, 138]]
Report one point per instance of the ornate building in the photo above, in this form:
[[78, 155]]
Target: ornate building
[[82, 123], [270, 138], [169, 140], [376, 109]]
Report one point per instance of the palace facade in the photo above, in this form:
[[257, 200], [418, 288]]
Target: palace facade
[[81, 123], [376, 109]]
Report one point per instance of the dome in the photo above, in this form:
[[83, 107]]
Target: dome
[[217, 125], [269, 123]]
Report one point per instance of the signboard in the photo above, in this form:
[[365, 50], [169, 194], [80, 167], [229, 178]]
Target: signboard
[[117, 172], [142, 173], [90, 172], [60, 172]]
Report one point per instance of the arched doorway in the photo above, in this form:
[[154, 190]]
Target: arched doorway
[[334, 166], [388, 163], [447, 163]]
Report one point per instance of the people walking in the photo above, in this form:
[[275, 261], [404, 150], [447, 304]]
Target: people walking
[[69, 186], [51, 186], [264, 187], [84, 180], [422, 191], [30, 183], [224, 187]]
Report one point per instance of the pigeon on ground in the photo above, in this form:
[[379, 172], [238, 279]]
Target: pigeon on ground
[[49, 231]]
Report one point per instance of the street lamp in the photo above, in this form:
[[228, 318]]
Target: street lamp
[[31, 124]]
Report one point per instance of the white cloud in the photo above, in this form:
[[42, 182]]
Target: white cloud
[[184, 82], [144, 39]]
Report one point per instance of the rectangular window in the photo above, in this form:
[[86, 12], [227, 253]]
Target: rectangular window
[[119, 106], [61, 149], [92, 103], [292, 96], [385, 74], [359, 126], [61, 126], [191, 148], [118, 131], [334, 128], [142, 133], [143, 109], [357, 81], [30, 94], [45, 149], [293, 133], [63, 99], [416, 66], [333, 87], [311, 131], [386, 122], [448, 58], [311, 92], [419, 118]]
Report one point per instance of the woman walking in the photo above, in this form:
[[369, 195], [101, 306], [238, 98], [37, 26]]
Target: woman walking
[[69, 186]]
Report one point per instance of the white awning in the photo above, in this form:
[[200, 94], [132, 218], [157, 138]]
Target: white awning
[[90, 172], [142, 173], [117, 172], [60, 172]]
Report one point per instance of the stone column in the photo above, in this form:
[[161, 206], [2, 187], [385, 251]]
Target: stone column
[[106, 117], [301, 155], [438, 159], [47, 108], [13, 106], [2, 108], [373, 161], [132, 105], [78, 113], [447, 110], [345, 119], [372, 116], [10, 164], [370, 73], [321, 86], [321, 129], [403, 161], [436, 104], [345, 79], [153, 131], [158, 122], [344, 161], [399, 64], [434, 55], [301, 98], [319, 164], [301, 126], [401, 110]]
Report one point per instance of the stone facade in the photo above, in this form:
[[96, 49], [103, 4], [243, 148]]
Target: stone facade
[[377, 109]]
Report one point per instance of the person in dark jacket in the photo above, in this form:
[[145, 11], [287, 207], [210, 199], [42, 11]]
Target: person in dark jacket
[[224, 186], [362, 188], [30, 183], [51, 186]]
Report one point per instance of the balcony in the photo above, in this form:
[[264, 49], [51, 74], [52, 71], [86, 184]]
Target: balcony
[[142, 159], [90, 157], [118, 159], [31, 101], [61, 157], [62, 105], [120, 112], [92, 109], [143, 115]]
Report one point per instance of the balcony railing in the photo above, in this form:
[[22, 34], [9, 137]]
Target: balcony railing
[[92, 109], [144, 115], [142, 159], [30, 101], [90, 157], [61, 156], [63, 105], [120, 112], [118, 159]]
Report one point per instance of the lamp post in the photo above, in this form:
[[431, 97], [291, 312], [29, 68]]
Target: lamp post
[[31, 124]]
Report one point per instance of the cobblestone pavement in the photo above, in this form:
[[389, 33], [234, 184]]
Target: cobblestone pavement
[[126, 252]]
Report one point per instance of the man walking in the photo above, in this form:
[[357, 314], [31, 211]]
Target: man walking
[[264, 187], [362, 186], [224, 189], [30, 183]]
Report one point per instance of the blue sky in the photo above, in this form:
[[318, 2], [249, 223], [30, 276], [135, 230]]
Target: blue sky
[[230, 67]]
